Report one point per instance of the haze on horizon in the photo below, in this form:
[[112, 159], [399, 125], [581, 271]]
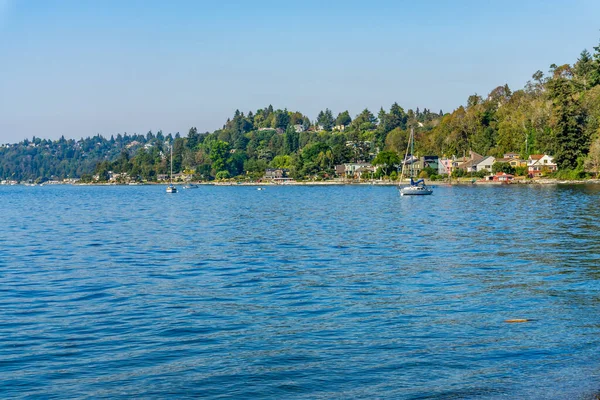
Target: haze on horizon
[[77, 68]]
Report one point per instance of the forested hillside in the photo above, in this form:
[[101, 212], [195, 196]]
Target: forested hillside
[[557, 113]]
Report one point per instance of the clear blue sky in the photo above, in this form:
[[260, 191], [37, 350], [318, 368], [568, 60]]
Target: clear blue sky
[[81, 67]]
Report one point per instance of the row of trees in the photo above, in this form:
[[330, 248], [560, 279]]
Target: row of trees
[[556, 113]]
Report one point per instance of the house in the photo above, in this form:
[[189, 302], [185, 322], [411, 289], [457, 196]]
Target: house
[[485, 164], [517, 162], [420, 163], [469, 164], [503, 177], [117, 176], [355, 170], [299, 128], [512, 155], [276, 173], [445, 166], [540, 164], [340, 170]]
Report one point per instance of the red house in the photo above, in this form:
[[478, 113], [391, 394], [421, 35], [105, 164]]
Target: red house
[[503, 177]]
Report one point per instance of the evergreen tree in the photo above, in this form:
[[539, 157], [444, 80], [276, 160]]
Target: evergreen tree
[[343, 118], [583, 69], [571, 143], [325, 119]]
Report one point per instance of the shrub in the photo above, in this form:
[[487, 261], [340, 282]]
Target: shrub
[[570, 174], [521, 171], [503, 167], [221, 175], [458, 173]]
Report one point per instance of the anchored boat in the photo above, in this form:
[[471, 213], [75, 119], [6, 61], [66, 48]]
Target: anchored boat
[[418, 188]]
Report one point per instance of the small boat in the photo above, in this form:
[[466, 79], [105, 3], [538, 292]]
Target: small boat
[[418, 188], [171, 188], [260, 188], [191, 186]]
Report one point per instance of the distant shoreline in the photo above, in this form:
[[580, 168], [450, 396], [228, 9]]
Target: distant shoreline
[[518, 182]]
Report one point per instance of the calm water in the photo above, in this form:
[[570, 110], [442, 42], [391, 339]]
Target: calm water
[[299, 292]]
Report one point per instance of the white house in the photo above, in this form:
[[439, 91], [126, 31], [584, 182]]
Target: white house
[[538, 164], [485, 164], [299, 128]]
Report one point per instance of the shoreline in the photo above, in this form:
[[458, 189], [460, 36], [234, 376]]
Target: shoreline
[[519, 182]]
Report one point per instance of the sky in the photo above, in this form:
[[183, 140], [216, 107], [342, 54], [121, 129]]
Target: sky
[[81, 67]]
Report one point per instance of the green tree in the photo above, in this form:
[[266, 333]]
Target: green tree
[[584, 69], [325, 119], [502, 167], [221, 175], [365, 120], [343, 119], [291, 140], [219, 153], [282, 162], [388, 160], [592, 162], [567, 118], [281, 119], [595, 73]]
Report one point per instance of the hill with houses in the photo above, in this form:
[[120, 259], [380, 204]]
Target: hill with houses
[[550, 126]]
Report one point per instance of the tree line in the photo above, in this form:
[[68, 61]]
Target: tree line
[[556, 113]]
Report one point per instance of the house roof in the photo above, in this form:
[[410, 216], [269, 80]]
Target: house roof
[[486, 158], [536, 156], [474, 161]]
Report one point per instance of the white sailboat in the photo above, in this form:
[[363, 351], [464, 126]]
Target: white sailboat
[[171, 188], [418, 188]]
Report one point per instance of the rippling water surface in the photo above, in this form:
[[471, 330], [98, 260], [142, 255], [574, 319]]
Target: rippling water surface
[[299, 292]]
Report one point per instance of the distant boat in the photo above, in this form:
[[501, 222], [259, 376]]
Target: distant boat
[[418, 188], [191, 186], [171, 188]]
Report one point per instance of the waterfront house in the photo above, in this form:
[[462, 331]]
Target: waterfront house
[[420, 163], [469, 164], [445, 166], [276, 173], [514, 159], [540, 164], [485, 164], [353, 170], [503, 177]]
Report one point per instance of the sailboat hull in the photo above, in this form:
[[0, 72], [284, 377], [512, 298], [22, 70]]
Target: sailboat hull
[[415, 191]]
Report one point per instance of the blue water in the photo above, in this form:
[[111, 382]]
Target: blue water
[[300, 292]]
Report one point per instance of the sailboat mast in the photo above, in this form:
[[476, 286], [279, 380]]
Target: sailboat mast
[[412, 152], [171, 177], [405, 157]]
